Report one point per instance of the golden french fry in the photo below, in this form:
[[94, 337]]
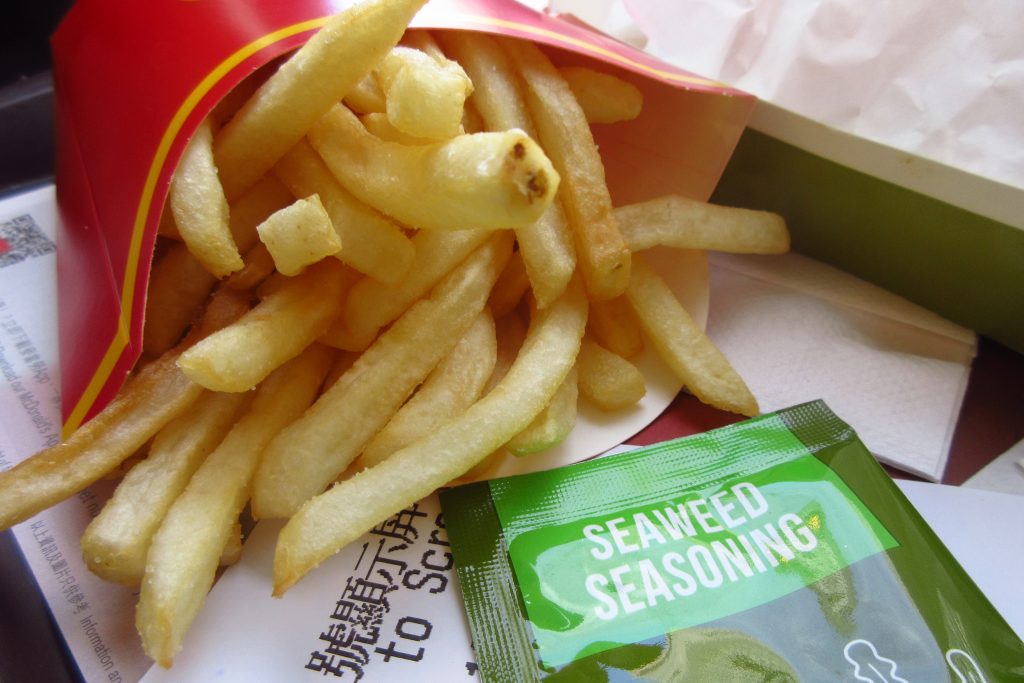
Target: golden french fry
[[683, 346], [483, 469], [115, 543], [547, 244], [168, 228], [273, 283], [126, 466], [152, 398], [335, 518], [255, 206], [236, 98], [344, 361], [317, 77], [486, 180], [424, 96], [603, 254], [224, 307], [676, 221], [603, 97], [178, 288], [454, 385], [200, 208], [310, 454], [472, 122], [372, 304], [299, 235], [179, 284], [614, 326], [366, 97], [424, 42], [511, 332], [187, 548], [232, 551], [372, 244], [259, 264], [157, 393], [379, 126], [553, 424], [608, 380], [241, 355], [510, 287]]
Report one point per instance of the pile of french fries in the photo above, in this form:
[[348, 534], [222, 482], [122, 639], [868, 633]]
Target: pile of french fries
[[393, 257]]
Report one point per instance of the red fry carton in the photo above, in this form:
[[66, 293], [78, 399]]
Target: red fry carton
[[135, 79]]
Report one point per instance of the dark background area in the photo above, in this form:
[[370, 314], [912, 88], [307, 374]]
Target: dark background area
[[31, 648], [26, 91]]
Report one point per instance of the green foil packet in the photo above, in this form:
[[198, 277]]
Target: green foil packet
[[776, 549]]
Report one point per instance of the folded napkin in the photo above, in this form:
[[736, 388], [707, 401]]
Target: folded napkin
[[797, 329]]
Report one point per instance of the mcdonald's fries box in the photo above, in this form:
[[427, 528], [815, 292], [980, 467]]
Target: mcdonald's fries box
[[133, 81]]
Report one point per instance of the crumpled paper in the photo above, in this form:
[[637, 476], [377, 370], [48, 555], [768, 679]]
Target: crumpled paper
[[942, 80], [797, 330]]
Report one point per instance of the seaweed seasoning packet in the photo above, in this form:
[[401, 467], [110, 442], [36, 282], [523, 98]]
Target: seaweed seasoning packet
[[775, 550]]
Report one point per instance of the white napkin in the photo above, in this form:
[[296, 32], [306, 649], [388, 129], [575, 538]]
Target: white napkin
[[1004, 474], [867, 68], [797, 330]]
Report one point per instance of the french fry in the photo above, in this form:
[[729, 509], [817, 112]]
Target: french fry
[[115, 543], [236, 98], [224, 307], [608, 380], [241, 355], [183, 558], [485, 180], [273, 283], [232, 551], [472, 122], [424, 95], [159, 393], [547, 244], [372, 244], [372, 304], [379, 126], [317, 77], [167, 227], [604, 98], [683, 346], [510, 287], [614, 326], [344, 361], [511, 333], [255, 206], [424, 42], [337, 517], [259, 264], [553, 424], [676, 221], [178, 287], [603, 254], [299, 235], [451, 387], [366, 97], [200, 208], [310, 453]]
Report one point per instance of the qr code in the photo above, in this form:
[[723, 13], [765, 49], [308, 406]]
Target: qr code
[[21, 238]]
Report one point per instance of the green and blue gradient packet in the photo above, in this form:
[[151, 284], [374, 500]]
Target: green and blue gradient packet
[[775, 549]]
